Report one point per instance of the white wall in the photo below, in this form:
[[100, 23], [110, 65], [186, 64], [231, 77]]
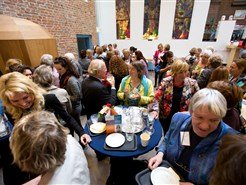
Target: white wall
[[106, 17]]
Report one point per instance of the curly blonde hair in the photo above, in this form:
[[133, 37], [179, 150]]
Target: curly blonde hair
[[16, 82]]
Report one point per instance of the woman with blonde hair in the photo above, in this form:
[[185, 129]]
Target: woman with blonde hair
[[174, 93], [21, 96], [12, 65]]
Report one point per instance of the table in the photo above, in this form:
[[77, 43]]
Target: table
[[98, 141]]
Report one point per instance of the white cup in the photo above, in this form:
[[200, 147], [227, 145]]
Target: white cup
[[145, 137]]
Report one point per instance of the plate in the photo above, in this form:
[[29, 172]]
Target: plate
[[98, 127], [164, 176], [115, 140]]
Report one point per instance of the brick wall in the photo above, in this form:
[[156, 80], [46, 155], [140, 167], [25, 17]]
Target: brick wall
[[224, 7], [61, 18]]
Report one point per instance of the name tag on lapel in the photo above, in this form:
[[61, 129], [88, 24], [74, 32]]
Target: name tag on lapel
[[185, 138]]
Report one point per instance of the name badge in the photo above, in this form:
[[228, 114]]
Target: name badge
[[185, 138]]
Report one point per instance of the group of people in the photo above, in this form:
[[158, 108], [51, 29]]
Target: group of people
[[196, 101]]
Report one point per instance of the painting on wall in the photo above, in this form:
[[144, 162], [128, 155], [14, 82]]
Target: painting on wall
[[240, 14], [123, 19], [182, 19], [151, 19]]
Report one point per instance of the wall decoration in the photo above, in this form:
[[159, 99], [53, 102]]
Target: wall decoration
[[240, 14], [182, 19], [151, 19], [123, 19]]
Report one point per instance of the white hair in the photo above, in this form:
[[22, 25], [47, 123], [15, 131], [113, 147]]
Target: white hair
[[46, 59], [70, 56], [95, 66], [207, 52], [211, 99]]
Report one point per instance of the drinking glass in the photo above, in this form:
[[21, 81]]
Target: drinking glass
[[151, 120], [129, 133], [94, 118]]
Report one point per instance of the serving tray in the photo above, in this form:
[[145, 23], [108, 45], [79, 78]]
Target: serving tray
[[127, 146]]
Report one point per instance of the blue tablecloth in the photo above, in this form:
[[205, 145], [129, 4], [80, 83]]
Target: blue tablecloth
[[98, 141]]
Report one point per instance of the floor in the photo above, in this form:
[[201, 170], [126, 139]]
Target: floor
[[99, 171]]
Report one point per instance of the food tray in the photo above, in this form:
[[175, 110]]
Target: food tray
[[127, 146], [143, 177]]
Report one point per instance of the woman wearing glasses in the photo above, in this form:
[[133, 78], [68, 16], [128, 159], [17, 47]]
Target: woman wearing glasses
[[192, 141]]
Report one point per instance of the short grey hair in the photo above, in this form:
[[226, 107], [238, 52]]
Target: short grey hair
[[43, 76], [70, 56], [47, 59], [95, 66], [211, 99]]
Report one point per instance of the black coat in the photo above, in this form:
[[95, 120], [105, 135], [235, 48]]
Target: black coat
[[95, 95], [52, 104]]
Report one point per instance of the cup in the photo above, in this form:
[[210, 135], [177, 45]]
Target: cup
[[145, 137], [129, 136]]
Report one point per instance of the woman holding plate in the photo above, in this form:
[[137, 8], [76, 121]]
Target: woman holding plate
[[192, 142]]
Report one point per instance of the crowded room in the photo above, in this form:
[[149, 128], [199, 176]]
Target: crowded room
[[123, 92]]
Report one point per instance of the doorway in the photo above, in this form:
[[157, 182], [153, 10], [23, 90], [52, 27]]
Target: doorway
[[84, 42]]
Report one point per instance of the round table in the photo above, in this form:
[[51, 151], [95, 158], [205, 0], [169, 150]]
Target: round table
[[98, 142]]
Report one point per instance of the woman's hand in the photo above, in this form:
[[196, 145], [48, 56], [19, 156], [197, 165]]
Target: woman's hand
[[111, 80], [155, 114], [155, 161], [85, 139]]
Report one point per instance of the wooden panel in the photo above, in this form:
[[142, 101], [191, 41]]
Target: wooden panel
[[13, 28], [29, 51], [2, 66], [14, 49], [36, 48]]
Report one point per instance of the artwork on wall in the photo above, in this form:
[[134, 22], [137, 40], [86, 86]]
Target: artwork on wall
[[182, 19], [240, 14], [123, 19], [151, 19]]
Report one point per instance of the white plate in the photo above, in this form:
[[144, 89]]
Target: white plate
[[164, 176], [115, 140], [98, 127]]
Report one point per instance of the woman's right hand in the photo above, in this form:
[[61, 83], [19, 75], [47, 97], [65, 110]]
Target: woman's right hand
[[126, 93], [155, 161]]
